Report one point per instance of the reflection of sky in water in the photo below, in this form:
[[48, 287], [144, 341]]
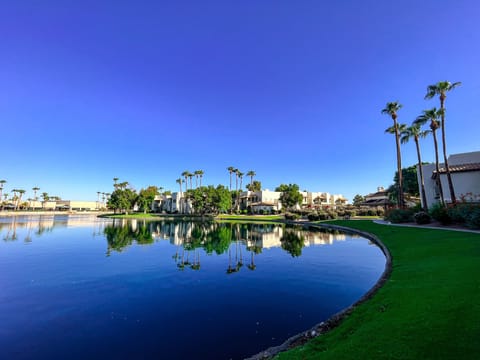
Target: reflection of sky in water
[[63, 297]]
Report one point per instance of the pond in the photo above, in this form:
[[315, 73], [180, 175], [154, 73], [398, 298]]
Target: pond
[[77, 287]]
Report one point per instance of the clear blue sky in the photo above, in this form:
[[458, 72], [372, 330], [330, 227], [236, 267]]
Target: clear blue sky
[[143, 90]]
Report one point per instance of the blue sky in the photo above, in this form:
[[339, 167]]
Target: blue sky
[[143, 90]]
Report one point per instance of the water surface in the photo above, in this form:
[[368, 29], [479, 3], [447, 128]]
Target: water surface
[[76, 287]]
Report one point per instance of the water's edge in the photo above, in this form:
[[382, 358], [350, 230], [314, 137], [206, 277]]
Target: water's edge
[[336, 319]]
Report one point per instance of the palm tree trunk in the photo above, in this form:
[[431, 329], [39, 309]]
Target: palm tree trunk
[[422, 182], [437, 168], [400, 201], [453, 199]]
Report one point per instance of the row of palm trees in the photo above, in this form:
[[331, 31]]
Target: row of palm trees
[[18, 194], [403, 133], [198, 174]]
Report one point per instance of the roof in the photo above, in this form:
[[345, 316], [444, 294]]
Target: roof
[[458, 168]]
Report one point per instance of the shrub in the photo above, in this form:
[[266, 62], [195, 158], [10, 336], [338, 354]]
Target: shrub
[[400, 215], [422, 217], [350, 213], [440, 213], [322, 215], [332, 214], [292, 216], [380, 212], [313, 217], [473, 218]]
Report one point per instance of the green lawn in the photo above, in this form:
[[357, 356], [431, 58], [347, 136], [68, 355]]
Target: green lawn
[[428, 309]]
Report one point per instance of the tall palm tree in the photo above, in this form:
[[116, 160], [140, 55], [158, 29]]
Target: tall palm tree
[[35, 189], [19, 201], [432, 116], [231, 169], [240, 176], [198, 175], [2, 183], [190, 176], [186, 174], [441, 88], [391, 109], [416, 133], [251, 173]]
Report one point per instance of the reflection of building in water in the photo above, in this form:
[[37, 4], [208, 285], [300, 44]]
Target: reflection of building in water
[[26, 226], [260, 235]]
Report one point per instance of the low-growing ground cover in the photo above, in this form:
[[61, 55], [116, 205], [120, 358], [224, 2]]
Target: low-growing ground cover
[[428, 309]]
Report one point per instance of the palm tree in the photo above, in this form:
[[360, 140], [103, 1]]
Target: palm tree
[[251, 173], [115, 179], [441, 88], [186, 174], [2, 182], [416, 133], [198, 174], [231, 169], [190, 176], [391, 109], [45, 198], [432, 116], [20, 193], [35, 189]]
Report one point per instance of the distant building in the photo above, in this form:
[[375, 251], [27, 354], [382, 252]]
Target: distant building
[[465, 173], [255, 201], [376, 199]]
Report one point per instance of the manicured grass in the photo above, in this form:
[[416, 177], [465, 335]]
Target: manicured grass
[[428, 309]]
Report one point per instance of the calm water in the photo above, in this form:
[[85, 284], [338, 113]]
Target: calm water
[[79, 287]]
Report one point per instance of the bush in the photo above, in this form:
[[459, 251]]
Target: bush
[[332, 214], [422, 218], [380, 212], [312, 217], [292, 216], [440, 213], [397, 216], [473, 218], [350, 213]]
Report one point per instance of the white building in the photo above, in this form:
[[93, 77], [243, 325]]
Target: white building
[[465, 173]]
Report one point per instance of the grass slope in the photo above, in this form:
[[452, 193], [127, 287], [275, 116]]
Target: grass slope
[[428, 309]]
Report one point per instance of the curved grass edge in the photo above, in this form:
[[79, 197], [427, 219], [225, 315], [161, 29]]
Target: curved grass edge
[[336, 319]]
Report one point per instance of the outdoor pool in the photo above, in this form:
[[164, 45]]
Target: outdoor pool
[[79, 287]]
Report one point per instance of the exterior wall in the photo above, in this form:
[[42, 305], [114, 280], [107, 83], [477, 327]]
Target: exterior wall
[[465, 183]]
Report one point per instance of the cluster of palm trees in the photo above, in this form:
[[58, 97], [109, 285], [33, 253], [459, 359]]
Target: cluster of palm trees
[[239, 180], [187, 175], [17, 194], [403, 133]]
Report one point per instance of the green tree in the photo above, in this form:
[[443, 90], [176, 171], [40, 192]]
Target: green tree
[[254, 186], [290, 195], [358, 200], [432, 116], [416, 133], [391, 109], [146, 197], [410, 183], [441, 88], [122, 199], [186, 174]]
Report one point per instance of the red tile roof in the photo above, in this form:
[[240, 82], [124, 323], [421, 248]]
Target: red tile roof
[[459, 168]]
